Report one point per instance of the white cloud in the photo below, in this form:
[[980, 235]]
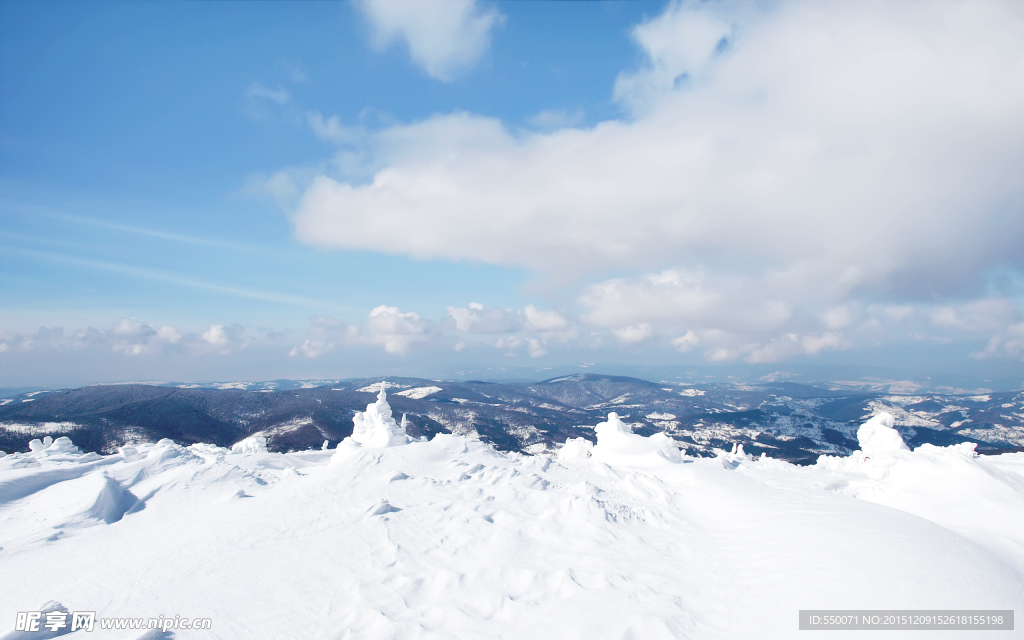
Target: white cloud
[[221, 339], [476, 318], [686, 342], [1008, 342], [545, 321], [680, 45], [982, 315], [295, 72], [556, 119], [805, 142], [389, 327], [323, 336], [331, 129], [511, 344], [133, 337], [259, 91], [793, 165], [634, 333], [444, 36], [394, 329]]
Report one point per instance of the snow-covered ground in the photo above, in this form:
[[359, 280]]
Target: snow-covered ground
[[385, 537]]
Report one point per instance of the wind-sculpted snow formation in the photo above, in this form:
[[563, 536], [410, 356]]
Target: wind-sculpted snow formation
[[618, 445], [388, 537], [376, 427]]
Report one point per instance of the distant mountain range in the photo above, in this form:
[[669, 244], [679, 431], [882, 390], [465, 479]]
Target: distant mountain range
[[786, 420]]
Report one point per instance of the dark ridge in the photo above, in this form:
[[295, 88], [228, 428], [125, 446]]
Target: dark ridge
[[789, 421]]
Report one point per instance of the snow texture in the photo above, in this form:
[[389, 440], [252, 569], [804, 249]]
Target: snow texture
[[449, 538]]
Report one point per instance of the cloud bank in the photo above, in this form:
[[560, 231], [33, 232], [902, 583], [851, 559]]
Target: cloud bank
[[132, 337], [784, 180]]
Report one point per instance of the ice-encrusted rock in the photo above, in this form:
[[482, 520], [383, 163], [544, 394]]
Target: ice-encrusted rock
[[618, 445], [376, 427]]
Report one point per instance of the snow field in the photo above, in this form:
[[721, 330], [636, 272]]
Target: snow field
[[384, 538]]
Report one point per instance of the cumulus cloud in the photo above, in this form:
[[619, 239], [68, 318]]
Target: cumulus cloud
[[476, 318], [389, 327], [394, 329], [787, 179], [855, 140], [529, 330], [323, 336], [221, 339], [634, 333], [545, 321], [444, 36], [511, 344], [132, 337]]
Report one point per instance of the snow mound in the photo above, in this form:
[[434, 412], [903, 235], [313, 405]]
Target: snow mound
[[253, 444], [881, 447], [130, 453], [48, 447], [953, 485], [376, 428], [878, 438], [617, 445], [575, 449]]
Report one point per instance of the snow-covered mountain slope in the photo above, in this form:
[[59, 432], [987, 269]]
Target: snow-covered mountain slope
[[393, 537], [788, 421]]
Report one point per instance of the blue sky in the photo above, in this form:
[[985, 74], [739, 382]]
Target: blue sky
[[210, 190]]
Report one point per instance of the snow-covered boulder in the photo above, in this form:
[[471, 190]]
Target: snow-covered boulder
[[376, 427], [618, 445]]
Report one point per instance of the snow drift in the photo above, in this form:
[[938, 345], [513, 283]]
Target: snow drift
[[448, 538]]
